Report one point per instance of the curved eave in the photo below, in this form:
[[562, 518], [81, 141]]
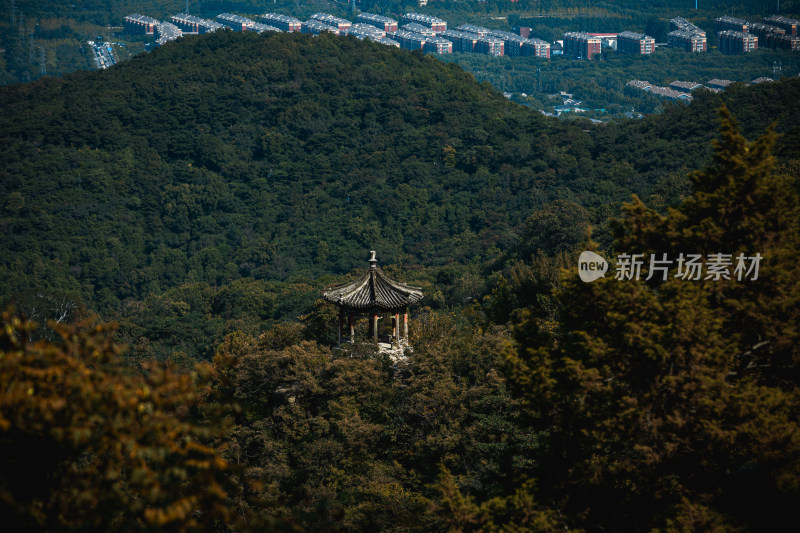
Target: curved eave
[[373, 290]]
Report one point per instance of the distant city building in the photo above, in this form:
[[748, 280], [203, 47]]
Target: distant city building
[[258, 27], [736, 42], [167, 32], [388, 42], [536, 48], [522, 31], [763, 31], [491, 46], [781, 41], [385, 23], [670, 94], [192, 24], [718, 84], [477, 30], [235, 22], [681, 24], [315, 27], [788, 25], [761, 80], [339, 23], [662, 92], [635, 43], [462, 41], [731, 23], [436, 24], [408, 40], [284, 22], [691, 42], [640, 84], [419, 28], [512, 43], [607, 39], [581, 45], [367, 31], [140, 24], [438, 45], [684, 86]]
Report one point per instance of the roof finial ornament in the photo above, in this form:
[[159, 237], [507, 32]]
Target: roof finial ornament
[[372, 261]]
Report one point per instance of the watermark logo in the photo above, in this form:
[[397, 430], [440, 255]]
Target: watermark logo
[[691, 267], [591, 266]]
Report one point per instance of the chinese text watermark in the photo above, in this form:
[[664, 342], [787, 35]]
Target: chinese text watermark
[[690, 267]]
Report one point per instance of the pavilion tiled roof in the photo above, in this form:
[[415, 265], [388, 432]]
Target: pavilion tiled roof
[[373, 290]]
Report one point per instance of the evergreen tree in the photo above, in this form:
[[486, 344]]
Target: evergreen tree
[[659, 408]]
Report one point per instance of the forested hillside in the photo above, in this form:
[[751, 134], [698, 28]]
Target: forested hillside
[[250, 162], [202, 196]]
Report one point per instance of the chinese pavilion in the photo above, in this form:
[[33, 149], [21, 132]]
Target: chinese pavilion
[[374, 294]]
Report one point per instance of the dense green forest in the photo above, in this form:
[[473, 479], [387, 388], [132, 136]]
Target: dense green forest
[[666, 406], [182, 181], [202, 195]]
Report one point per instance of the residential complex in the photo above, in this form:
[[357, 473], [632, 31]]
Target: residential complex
[[438, 45], [385, 23], [666, 93], [581, 45], [366, 31], [430, 34], [691, 42], [762, 31], [235, 22], [684, 86], [635, 43], [788, 25], [330, 20], [491, 46], [536, 48], [681, 24], [462, 41], [736, 42], [315, 27], [192, 24], [419, 28], [512, 43], [718, 84], [140, 24], [477, 30], [408, 40], [782, 42], [261, 28], [166, 31], [283, 22], [731, 23], [436, 24]]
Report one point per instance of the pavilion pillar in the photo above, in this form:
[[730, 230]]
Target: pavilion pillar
[[396, 328], [351, 323], [375, 326], [405, 325]]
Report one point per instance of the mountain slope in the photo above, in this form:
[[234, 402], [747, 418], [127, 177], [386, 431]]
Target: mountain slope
[[275, 156]]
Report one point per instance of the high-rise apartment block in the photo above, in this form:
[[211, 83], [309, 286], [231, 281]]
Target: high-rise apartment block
[[691, 42], [732, 24], [635, 43], [384, 23], [581, 45], [788, 25], [283, 22], [736, 42]]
